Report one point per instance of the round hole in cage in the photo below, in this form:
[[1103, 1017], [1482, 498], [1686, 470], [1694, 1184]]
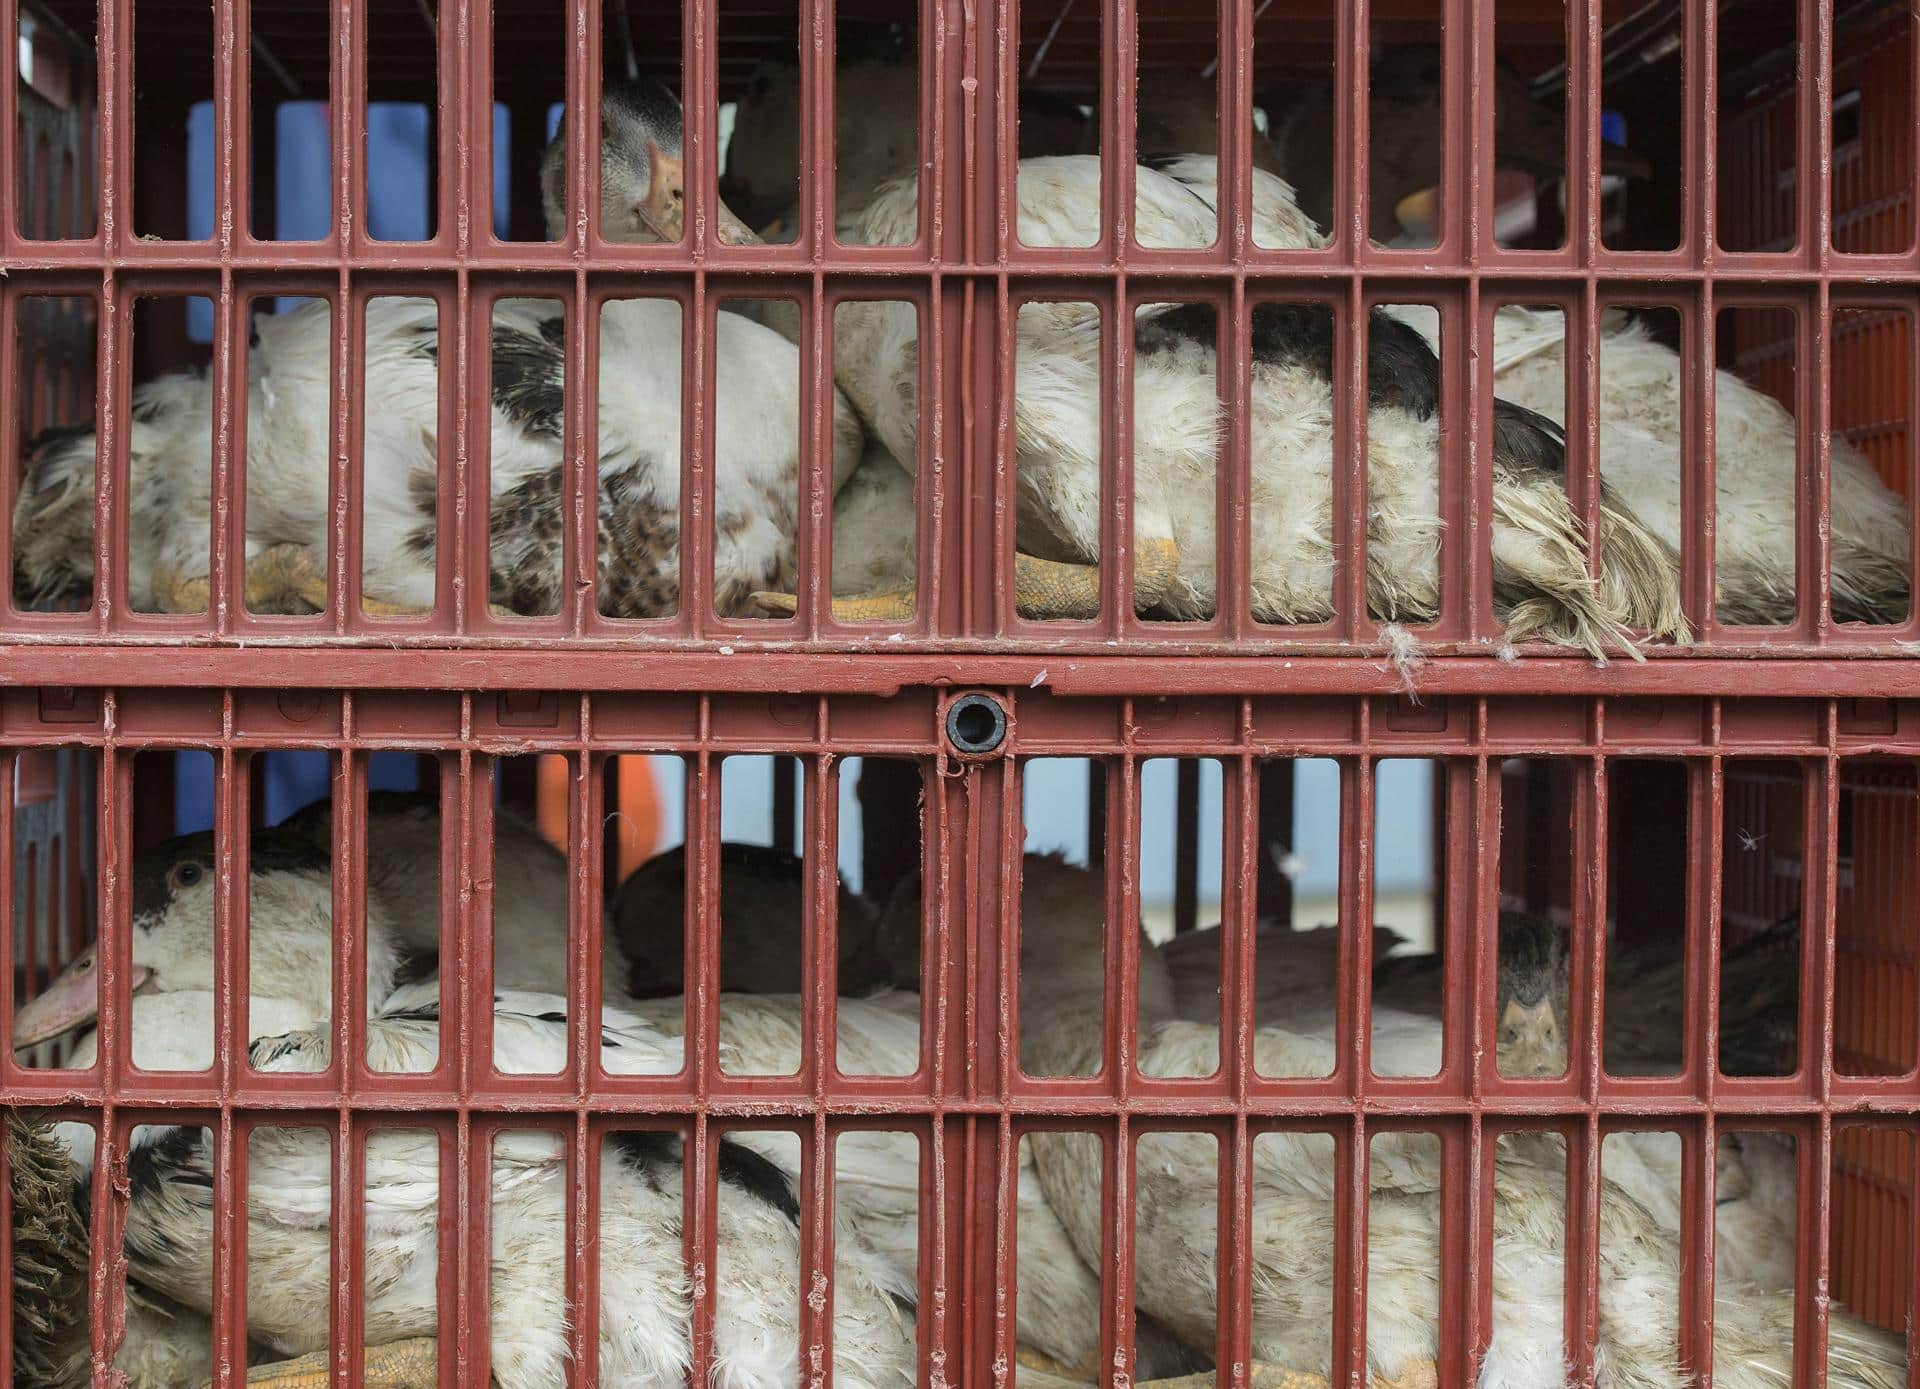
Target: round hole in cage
[[976, 724]]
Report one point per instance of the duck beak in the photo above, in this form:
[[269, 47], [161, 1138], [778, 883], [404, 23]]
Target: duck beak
[[664, 211], [70, 1002]]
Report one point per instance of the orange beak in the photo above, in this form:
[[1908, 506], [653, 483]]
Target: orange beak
[[70, 1002], [664, 212]]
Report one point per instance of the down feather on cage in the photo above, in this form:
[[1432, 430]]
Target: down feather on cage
[[756, 442], [1177, 1194]]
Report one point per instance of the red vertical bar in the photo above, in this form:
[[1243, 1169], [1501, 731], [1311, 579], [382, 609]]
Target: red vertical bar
[[1700, 108], [1698, 498], [12, 463], [702, 1047], [820, 976], [1354, 616], [349, 1240], [13, 146], [581, 557], [993, 590], [469, 148], [227, 375], [1467, 138], [1356, 990], [1584, 79], [10, 951], [232, 798], [347, 472], [475, 1351], [1819, 914], [472, 564], [1586, 1054], [229, 1291], [580, 550], [112, 400], [1240, 847], [347, 799], [701, 104], [812, 558], [1353, 42]]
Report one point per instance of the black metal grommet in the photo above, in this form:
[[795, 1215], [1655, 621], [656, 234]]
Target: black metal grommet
[[976, 724]]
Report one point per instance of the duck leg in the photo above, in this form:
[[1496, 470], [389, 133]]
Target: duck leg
[[1043, 589], [410, 1364], [882, 605]]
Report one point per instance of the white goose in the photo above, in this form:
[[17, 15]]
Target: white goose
[[290, 943], [643, 1338], [175, 888], [1641, 395], [643, 1331], [1755, 469], [291, 403], [1540, 579], [1639, 1339]]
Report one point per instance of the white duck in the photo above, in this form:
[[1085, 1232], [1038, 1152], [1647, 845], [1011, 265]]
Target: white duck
[[1641, 393], [1293, 1252], [175, 886], [644, 1284], [1540, 580], [756, 441], [643, 1338], [290, 943], [529, 889], [1058, 1310]]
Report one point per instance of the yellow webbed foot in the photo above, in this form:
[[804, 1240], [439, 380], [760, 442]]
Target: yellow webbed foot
[[882, 605], [1060, 590]]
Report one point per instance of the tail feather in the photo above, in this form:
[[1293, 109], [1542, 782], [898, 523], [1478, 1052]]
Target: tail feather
[[1640, 574], [1753, 1351], [1540, 571]]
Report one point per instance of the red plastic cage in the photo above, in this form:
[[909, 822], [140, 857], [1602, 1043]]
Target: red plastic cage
[[1688, 803]]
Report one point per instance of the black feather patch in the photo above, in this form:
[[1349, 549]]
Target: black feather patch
[[1402, 371], [268, 1050], [1525, 439], [529, 376], [172, 1157], [57, 435], [740, 1167], [750, 1172], [268, 851]]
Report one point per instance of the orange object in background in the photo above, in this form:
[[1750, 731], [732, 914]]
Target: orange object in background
[[632, 827]]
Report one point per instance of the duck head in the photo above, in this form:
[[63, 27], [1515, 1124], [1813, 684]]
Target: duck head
[[174, 887], [642, 171], [1534, 996]]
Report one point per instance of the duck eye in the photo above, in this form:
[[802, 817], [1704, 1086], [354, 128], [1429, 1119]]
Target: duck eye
[[186, 874]]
